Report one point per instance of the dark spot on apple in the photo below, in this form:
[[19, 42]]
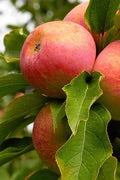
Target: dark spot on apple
[[37, 47]]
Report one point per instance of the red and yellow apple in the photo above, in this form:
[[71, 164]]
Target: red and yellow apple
[[54, 53], [108, 63], [45, 140]]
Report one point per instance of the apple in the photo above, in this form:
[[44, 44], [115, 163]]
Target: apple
[[54, 53], [77, 14], [45, 140], [108, 63]]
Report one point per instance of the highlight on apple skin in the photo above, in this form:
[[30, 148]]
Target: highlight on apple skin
[[54, 53], [108, 63], [45, 140]]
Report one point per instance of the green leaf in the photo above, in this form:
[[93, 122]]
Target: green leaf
[[108, 170], [4, 175], [24, 168], [58, 112], [25, 165], [12, 83], [22, 122], [44, 174], [18, 111], [100, 14], [82, 156], [23, 106], [81, 93], [117, 20], [113, 35], [118, 172], [11, 148], [13, 43]]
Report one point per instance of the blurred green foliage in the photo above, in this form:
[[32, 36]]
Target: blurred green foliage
[[41, 11], [45, 10], [21, 167]]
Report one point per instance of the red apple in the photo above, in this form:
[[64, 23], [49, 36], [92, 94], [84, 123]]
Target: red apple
[[54, 53], [45, 140], [77, 14], [108, 63]]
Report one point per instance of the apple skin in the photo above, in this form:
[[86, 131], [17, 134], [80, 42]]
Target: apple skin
[[108, 63], [45, 141], [54, 53], [77, 14]]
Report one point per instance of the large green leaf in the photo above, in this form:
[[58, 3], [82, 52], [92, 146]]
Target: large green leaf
[[12, 83], [19, 111], [108, 170], [11, 148], [100, 14], [13, 43], [82, 156], [44, 174], [81, 93]]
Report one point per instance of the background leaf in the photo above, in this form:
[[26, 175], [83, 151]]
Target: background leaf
[[82, 156], [117, 19], [4, 174], [27, 165], [113, 35], [12, 83], [100, 14], [12, 148], [118, 172], [13, 43], [8, 68], [108, 170], [19, 108], [81, 93], [43, 174]]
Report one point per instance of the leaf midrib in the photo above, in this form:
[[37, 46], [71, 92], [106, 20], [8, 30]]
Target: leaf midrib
[[81, 157]]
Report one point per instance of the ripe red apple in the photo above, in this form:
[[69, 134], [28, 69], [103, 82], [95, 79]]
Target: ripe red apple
[[108, 63], [45, 141], [77, 14], [54, 53]]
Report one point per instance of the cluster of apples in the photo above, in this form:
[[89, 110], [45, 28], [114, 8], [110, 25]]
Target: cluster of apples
[[52, 55]]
